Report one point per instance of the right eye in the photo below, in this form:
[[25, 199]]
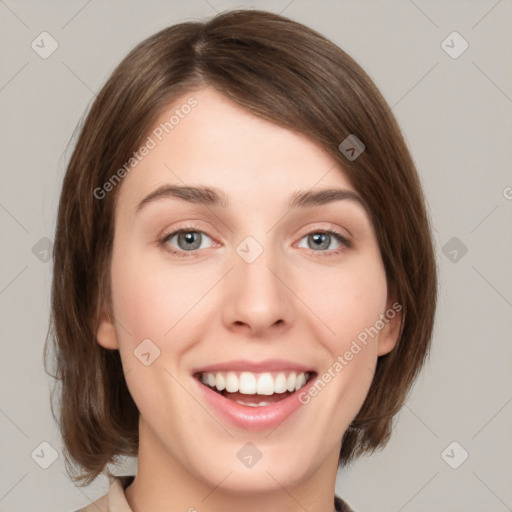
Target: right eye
[[187, 240]]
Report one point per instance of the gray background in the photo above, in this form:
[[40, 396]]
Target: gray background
[[456, 117]]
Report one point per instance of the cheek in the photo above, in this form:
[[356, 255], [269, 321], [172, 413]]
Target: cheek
[[147, 305], [150, 299], [159, 303], [348, 300]]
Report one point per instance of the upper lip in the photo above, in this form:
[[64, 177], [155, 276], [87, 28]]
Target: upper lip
[[240, 365]]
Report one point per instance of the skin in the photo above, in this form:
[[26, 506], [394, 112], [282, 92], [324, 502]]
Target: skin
[[292, 302]]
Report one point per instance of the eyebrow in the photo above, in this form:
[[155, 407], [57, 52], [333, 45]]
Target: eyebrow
[[213, 196]]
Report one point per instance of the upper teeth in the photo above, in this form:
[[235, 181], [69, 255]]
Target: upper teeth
[[255, 383]]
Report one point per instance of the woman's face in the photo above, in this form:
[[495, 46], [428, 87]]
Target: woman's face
[[211, 285]]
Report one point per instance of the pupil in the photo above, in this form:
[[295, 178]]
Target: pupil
[[323, 238], [188, 238]]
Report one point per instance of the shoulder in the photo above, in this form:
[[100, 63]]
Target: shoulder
[[114, 500], [341, 506], [100, 505]]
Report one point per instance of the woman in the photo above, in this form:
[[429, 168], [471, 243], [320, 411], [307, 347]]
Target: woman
[[244, 280]]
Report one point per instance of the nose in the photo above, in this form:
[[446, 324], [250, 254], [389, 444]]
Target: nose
[[258, 301]]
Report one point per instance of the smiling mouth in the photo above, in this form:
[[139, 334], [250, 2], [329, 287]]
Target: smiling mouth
[[255, 389]]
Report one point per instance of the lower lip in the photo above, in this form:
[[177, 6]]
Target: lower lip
[[253, 418]]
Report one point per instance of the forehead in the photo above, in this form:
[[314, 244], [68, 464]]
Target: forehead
[[203, 138]]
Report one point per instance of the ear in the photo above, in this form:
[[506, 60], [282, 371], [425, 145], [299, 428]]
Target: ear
[[389, 334], [106, 332]]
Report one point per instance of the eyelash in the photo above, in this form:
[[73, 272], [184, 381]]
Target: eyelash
[[162, 242]]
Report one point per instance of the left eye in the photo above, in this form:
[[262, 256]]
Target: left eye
[[319, 240]]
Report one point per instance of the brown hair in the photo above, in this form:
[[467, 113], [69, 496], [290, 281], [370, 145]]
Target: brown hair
[[289, 75]]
